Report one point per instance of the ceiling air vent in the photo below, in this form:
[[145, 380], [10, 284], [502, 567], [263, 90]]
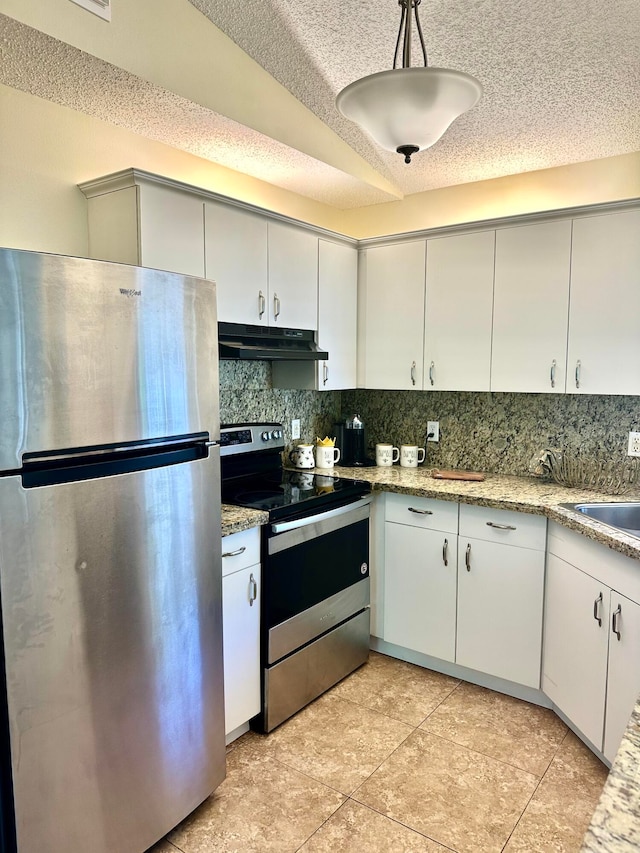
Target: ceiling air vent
[[102, 8]]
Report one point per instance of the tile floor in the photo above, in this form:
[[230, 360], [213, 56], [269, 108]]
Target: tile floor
[[398, 758]]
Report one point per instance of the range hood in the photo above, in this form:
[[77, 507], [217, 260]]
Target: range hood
[[237, 340]]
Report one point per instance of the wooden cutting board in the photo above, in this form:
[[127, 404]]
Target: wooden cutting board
[[438, 474]]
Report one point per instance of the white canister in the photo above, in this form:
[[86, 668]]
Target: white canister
[[410, 455], [386, 455], [326, 456]]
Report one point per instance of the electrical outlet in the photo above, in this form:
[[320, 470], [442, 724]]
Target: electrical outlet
[[433, 430], [295, 428], [634, 444]]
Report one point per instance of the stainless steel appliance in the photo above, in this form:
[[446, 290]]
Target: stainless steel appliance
[[315, 569], [111, 696]]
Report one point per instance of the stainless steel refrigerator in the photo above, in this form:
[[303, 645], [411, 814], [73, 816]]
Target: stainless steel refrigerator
[[111, 684]]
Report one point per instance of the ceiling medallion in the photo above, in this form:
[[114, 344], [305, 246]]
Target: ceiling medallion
[[408, 109]]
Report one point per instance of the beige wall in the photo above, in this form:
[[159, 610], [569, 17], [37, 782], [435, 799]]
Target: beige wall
[[594, 182], [46, 150]]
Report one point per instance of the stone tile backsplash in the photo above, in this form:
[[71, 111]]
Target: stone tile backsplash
[[496, 432], [493, 432], [247, 394]]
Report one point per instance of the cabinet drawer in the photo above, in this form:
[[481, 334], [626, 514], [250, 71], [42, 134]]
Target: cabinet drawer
[[422, 512], [504, 526], [240, 550]]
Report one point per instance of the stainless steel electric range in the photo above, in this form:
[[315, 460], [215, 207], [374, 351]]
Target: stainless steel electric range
[[315, 568]]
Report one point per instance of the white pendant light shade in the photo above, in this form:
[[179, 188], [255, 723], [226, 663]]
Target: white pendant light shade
[[408, 107]]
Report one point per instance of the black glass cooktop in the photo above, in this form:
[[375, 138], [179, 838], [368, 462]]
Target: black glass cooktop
[[286, 493]]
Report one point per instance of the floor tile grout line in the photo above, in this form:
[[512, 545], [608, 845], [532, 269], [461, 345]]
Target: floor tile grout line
[[405, 825]]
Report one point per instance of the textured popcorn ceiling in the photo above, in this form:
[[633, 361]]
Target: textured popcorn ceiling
[[561, 85]]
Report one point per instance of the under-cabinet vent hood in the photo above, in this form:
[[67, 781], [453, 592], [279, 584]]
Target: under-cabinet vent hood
[[237, 340]]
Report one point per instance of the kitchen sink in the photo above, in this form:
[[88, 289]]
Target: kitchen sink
[[621, 516]]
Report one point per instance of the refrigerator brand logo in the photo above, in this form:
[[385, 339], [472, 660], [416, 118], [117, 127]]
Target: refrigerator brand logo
[[130, 291]]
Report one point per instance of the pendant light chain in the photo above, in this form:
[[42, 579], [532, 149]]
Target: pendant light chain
[[405, 24]]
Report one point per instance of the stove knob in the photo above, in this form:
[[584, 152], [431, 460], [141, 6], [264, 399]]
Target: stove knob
[[277, 434], [265, 436]]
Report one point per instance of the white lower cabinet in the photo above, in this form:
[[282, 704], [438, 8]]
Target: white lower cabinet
[[623, 674], [420, 576], [575, 646], [241, 627], [591, 668], [500, 593]]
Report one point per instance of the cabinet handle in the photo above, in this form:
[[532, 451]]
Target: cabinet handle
[[467, 557], [501, 526], [253, 590], [420, 511], [234, 553], [596, 609], [614, 621], [431, 369], [413, 373], [276, 306], [445, 550], [325, 373], [578, 369], [552, 375], [262, 304]]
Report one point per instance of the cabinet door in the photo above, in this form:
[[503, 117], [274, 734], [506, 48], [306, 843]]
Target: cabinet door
[[236, 259], [604, 343], [392, 304], [575, 646], [171, 230], [420, 590], [623, 680], [459, 303], [241, 640], [531, 304], [337, 314], [500, 596], [293, 277]]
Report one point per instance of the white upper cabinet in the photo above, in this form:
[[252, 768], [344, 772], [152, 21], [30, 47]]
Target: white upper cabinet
[[604, 333], [459, 302], [531, 304], [391, 303], [337, 314], [293, 277], [150, 225], [235, 247]]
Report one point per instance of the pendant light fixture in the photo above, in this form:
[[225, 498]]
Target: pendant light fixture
[[408, 109]]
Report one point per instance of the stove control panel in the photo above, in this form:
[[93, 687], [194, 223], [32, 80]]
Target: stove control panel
[[247, 438]]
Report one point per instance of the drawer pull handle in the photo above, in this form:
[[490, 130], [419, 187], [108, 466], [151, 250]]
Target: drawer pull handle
[[413, 373], [261, 304], [420, 511], [253, 590], [234, 553], [501, 526], [467, 558], [432, 367], [276, 306], [325, 373], [596, 610], [445, 549], [552, 377], [578, 371], [614, 621]]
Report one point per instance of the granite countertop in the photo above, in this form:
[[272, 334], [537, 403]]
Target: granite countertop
[[237, 518], [502, 491]]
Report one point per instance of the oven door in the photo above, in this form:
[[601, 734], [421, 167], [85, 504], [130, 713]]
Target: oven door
[[315, 606]]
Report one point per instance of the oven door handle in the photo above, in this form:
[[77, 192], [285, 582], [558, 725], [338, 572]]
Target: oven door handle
[[282, 526]]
